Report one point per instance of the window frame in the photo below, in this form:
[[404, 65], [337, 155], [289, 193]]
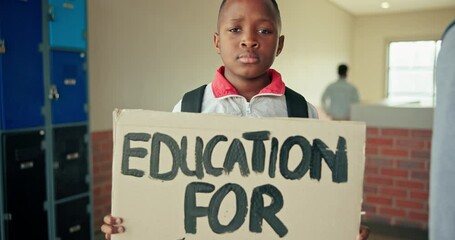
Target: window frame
[[388, 42]]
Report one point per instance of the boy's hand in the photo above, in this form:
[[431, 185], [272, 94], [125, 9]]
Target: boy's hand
[[364, 232], [112, 225]]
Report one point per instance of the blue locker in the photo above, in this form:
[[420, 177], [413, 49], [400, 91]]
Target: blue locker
[[67, 23], [68, 87], [21, 74]]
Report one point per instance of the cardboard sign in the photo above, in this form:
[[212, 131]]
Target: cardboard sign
[[206, 176]]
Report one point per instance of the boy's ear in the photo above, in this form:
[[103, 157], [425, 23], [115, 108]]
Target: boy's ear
[[216, 42], [280, 45]]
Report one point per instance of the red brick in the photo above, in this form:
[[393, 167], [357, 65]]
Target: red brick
[[369, 209], [107, 146], [421, 154], [379, 162], [101, 200], [378, 181], [371, 150], [107, 207], [418, 216], [409, 204], [379, 200], [394, 173], [102, 178], [393, 192], [372, 131], [107, 187], [395, 152], [410, 164], [96, 191], [380, 141], [104, 166], [420, 175], [95, 169], [97, 136], [96, 148], [395, 132], [392, 212], [371, 171], [106, 157], [410, 184], [423, 134], [411, 143], [370, 189], [419, 195]]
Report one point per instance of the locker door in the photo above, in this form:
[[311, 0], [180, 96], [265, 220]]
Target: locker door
[[67, 23], [70, 161], [21, 76], [69, 80], [73, 220], [25, 186]]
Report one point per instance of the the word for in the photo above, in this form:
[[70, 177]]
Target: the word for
[[258, 212]]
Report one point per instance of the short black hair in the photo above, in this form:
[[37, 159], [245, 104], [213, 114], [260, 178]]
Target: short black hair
[[343, 70], [275, 5]]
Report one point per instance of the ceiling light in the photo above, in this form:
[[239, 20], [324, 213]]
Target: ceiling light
[[385, 5]]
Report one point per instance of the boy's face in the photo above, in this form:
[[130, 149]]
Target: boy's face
[[248, 38]]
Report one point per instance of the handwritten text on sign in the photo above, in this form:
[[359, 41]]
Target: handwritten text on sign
[[201, 159]]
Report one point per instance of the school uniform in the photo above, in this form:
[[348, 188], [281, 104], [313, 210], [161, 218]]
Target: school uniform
[[221, 97]]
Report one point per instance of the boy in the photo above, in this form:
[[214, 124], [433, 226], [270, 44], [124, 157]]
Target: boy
[[248, 40]]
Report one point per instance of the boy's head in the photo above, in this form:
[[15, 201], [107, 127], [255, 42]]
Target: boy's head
[[275, 6], [248, 37]]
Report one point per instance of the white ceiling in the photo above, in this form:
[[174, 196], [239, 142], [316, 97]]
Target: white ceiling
[[370, 7]]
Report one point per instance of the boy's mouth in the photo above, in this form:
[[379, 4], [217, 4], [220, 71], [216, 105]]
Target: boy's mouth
[[248, 58]]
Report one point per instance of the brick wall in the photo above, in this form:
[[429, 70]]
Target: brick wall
[[102, 175], [396, 182]]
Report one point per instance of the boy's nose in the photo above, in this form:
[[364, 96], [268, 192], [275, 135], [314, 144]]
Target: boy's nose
[[249, 42]]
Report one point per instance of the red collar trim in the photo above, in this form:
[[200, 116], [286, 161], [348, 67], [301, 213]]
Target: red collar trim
[[221, 87]]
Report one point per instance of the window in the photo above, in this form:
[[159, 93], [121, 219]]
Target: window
[[410, 70]]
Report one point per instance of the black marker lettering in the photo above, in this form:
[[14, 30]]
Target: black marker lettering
[[236, 153], [133, 152], [258, 156], [240, 213], [304, 164], [259, 211]]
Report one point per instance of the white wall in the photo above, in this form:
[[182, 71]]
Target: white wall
[[147, 53], [318, 38], [372, 35]]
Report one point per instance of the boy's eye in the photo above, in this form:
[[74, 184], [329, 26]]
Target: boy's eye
[[234, 30], [264, 31]]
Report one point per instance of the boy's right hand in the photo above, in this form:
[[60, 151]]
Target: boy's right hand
[[112, 225]]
